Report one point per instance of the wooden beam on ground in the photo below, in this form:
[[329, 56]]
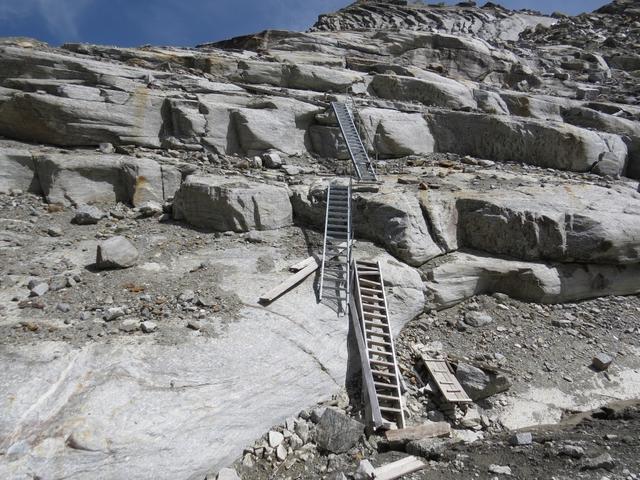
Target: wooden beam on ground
[[428, 430], [301, 265], [291, 282], [394, 470], [311, 266]]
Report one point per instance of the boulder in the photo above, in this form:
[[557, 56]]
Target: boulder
[[479, 384], [337, 432], [87, 215], [430, 89], [464, 275], [395, 134], [17, 171], [502, 138], [221, 204], [565, 223], [116, 252]]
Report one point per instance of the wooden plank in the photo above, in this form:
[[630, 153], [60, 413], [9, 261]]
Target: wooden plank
[[394, 470], [301, 265], [291, 282], [445, 380], [428, 430]]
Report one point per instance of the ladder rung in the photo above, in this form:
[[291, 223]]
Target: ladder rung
[[380, 344], [371, 290], [381, 362], [390, 409], [378, 334], [375, 325], [373, 299], [364, 262], [385, 385], [383, 374], [387, 397], [369, 281], [381, 353], [373, 307], [374, 315]]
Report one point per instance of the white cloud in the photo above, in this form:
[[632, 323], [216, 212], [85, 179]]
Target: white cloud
[[60, 16]]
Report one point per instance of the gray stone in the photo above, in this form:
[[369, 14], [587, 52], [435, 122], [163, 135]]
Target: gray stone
[[148, 327], [479, 384], [572, 451], [336, 432], [281, 453], [275, 438], [220, 204], [303, 431], [604, 461], [39, 289], [227, 474], [113, 313], [116, 252], [63, 307], [150, 209], [601, 362], [521, 439], [477, 319], [58, 282], [17, 171], [272, 160], [365, 471], [88, 215], [428, 448], [500, 469]]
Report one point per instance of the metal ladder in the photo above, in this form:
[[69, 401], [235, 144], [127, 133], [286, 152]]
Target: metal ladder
[[359, 157], [336, 251], [369, 316]]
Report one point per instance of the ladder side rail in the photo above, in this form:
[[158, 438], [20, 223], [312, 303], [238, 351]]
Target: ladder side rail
[[324, 244], [357, 318], [349, 240], [346, 137], [393, 348]]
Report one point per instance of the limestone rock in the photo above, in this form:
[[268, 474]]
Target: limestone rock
[[116, 252], [220, 204], [479, 384], [17, 169], [336, 432], [88, 215]]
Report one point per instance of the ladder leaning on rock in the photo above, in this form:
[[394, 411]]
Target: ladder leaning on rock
[[361, 162]]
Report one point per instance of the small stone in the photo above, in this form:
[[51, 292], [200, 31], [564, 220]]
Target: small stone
[[247, 461], [275, 438], [291, 169], [187, 296], [84, 316], [39, 289], [500, 469], [129, 325], [316, 414], [148, 327], [113, 313], [194, 325], [572, 451], [336, 432], [477, 319], [520, 439], [295, 441], [63, 307], [605, 461], [106, 148], [116, 252], [150, 209], [303, 431], [281, 453], [54, 232], [272, 160], [601, 362], [365, 471], [87, 215]]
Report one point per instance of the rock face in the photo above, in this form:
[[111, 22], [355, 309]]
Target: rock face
[[214, 203]]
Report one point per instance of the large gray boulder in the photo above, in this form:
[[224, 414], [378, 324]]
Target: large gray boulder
[[337, 432], [116, 252], [570, 223], [222, 204], [479, 384], [85, 178], [17, 171], [431, 89], [545, 144], [465, 274]]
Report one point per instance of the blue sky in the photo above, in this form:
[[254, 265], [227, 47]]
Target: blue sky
[[186, 22]]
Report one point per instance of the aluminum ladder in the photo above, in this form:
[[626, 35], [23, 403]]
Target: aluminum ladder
[[369, 317], [336, 250], [361, 163]]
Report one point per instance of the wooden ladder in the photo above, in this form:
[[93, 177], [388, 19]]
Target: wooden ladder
[[369, 317]]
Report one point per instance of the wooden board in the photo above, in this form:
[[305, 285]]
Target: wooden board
[[301, 265], [291, 282], [446, 381], [429, 430], [394, 470]]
